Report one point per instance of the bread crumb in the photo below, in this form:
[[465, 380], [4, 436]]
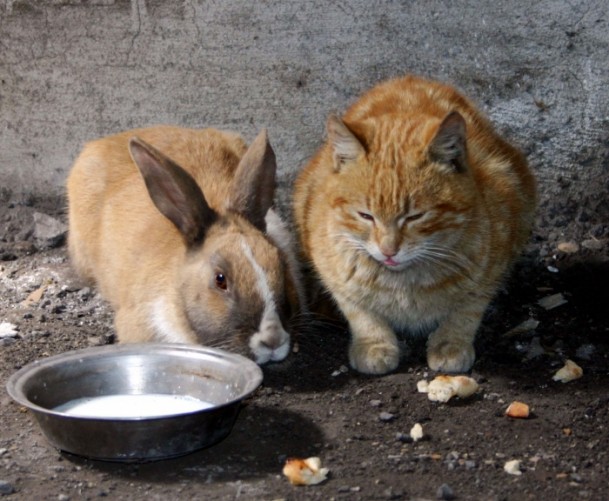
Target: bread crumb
[[422, 386], [305, 471], [568, 372], [517, 410], [512, 467], [443, 388], [416, 433]]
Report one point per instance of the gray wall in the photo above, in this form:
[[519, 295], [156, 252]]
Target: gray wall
[[73, 70]]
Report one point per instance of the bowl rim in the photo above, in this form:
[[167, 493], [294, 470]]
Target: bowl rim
[[16, 382]]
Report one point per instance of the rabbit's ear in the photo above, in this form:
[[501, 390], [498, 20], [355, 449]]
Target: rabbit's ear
[[174, 192], [254, 182]]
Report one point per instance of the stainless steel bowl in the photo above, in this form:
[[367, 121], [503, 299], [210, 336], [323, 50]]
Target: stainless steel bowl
[[221, 378]]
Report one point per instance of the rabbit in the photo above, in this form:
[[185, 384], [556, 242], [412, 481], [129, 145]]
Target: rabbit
[[176, 228]]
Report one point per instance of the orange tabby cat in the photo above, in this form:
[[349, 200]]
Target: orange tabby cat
[[411, 214]]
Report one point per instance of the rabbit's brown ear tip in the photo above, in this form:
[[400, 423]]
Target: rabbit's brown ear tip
[[263, 135], [134, 140]]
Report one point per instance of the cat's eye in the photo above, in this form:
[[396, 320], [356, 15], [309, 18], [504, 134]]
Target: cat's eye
[[414, 217], [366, 216], [221, 281]]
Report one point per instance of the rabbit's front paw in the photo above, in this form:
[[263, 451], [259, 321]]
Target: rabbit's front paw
[[451, 356], [374, 357]]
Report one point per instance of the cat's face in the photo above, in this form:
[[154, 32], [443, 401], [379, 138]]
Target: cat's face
[[404, 197]]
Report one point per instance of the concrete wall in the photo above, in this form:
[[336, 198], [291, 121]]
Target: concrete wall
[[73, 70]]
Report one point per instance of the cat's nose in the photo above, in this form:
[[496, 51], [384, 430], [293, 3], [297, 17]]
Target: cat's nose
[[388, 249], [388, 253]]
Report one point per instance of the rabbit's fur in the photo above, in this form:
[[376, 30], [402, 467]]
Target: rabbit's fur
[[175, 227]]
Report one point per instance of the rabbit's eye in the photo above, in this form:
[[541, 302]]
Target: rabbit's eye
[[221, 282]]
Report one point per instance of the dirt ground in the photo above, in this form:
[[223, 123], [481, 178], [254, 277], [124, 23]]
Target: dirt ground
[[313, 405]]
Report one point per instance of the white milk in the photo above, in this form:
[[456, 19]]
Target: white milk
[[132, 406]]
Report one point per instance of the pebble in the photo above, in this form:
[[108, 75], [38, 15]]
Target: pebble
[[341, 370], [568, 247], [552, 301], [585, 351], [592, 244], [386, 416], [85, 293], [6, 488], [390, 493], [48, 231], [445, 493], [535, 349], [402, 437], [375, 403], [527, 326], [8, 330]]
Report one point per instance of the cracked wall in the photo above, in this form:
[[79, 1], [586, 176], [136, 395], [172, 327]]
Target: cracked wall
[[73, 70]]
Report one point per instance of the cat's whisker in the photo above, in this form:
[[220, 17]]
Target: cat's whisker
[[453, 267], [452, 256]]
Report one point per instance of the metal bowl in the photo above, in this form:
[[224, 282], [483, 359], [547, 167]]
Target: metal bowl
[[210, 375]]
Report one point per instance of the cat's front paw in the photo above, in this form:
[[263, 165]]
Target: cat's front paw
[[374, 357], [451, 357]]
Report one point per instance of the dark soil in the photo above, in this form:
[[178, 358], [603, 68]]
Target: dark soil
[[313, 405]]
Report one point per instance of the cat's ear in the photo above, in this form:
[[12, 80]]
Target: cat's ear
[[448, 146], [346, 146]]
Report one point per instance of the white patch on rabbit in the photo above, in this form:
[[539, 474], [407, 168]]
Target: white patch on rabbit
[[271, 342], [163, 325]]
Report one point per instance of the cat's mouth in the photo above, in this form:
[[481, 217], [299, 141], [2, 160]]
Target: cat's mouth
[[390, 262]]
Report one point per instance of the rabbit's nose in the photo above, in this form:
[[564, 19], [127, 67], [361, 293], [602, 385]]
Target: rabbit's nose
[[270, 343], [273, 336]]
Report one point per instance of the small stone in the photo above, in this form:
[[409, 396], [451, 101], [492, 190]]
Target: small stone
[[585, 351], [445, 493], [390, 493], [8, 330], [535, 349], [552, 301], [592, 244], [85, 293], [48, 231], [527, 326], [375, 403], [386, 416], [402, 437], [6, 488], [568, 247]]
